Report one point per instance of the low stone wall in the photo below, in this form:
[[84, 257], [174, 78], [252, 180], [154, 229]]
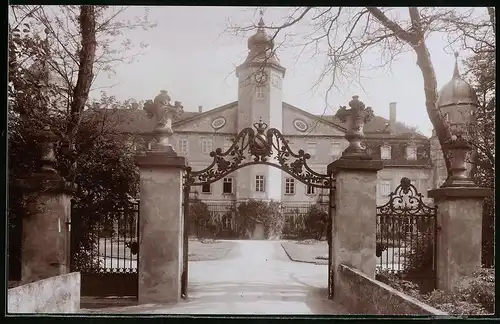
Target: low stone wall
[[59, 294], [361, 294]]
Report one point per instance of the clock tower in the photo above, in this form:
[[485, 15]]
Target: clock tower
[[260, 79]]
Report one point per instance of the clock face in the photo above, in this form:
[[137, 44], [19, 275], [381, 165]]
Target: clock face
[[261, 77]]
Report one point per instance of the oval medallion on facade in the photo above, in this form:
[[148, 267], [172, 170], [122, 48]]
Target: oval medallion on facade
[[300, 125], [218, 122]]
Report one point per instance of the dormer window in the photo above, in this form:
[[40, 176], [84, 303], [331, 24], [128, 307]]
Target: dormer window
[[385, 152], [411, 152]]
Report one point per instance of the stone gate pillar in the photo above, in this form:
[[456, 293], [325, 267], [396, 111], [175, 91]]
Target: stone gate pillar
[[160, 221], [354, 224], [160, 227], [459, 219], [45, 247]]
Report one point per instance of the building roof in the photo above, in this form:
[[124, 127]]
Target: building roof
[[377, 125], [135, 121]]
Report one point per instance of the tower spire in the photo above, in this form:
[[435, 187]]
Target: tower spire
[[456, 73], [261, 21]]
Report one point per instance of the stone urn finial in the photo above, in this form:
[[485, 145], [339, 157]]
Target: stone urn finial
[[163, 112], [459, 147], [48, 140], [356, 117]]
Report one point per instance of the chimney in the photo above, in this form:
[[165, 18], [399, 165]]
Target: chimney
[[200, 109], [392, 118]]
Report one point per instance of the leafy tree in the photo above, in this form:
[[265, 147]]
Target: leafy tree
[[481, 75], [50, 77]]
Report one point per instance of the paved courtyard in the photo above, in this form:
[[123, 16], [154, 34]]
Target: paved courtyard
[[256, 277]]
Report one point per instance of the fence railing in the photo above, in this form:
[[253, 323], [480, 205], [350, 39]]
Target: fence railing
[[222, 222], [109, 244], [406, 235]]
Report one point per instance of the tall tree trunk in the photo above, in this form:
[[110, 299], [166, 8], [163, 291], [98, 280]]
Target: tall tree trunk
[[415, 37], [430, 89], [85, 72]]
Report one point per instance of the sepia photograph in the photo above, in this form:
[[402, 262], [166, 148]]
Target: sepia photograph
[[241, 161]]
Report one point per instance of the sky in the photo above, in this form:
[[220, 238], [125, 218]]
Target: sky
[[193, 57]]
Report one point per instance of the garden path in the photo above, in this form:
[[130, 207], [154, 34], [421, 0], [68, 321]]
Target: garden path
[[256, 277]]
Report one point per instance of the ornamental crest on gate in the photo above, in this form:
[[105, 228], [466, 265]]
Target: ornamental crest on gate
[[259, 145]]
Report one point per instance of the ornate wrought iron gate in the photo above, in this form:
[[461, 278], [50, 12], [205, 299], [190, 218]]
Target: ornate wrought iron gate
[[106, 251], [252, 147], [406, 236]]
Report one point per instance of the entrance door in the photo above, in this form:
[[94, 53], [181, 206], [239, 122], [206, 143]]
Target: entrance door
[[258, 232]]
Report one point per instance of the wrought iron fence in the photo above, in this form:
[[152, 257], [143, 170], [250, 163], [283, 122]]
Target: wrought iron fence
[[107, 243], [220, 221], [406, 236], [295, 216]]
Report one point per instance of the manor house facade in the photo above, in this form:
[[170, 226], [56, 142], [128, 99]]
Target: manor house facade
[[405, 152]]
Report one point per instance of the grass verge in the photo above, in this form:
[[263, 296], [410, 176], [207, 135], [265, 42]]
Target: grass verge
[[313, 252]]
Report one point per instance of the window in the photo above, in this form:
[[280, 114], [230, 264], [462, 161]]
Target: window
[[385, 152], [259, 183], [206, 188], [206, 145], [336, 149], [310, 190], [411, 153], [290, 186], [311, 149], [227, 145], [227, 186], [385, 187], [259, 93], [182, 145]]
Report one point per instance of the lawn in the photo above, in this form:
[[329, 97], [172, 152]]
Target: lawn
[[198, 251], [311, 251]]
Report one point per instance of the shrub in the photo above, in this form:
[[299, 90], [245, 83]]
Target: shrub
[[316, 222], [274, 222], [454, 304], [397, 282], [198, 215], [420, 256], [480, 288], [251, 212], [475, 297]]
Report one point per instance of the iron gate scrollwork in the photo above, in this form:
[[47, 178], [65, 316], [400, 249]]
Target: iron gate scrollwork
[[406, 236], [251, 147], [260, 145], [104, 249]]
